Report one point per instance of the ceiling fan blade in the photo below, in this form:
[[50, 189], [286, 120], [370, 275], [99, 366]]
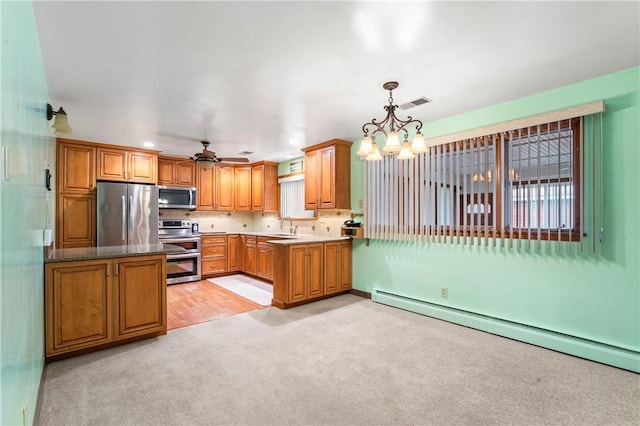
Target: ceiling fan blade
[[234, 159]]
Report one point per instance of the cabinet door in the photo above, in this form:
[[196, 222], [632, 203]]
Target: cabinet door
[[140, 298], [75, 226], [233, 249], [78, 305], [315, 266], [112, 164], [311, 180], [331, 267], [242, 182], [185, 173], [76, 171], [142, 167], [165, 171], [224, 188], [205, 189], [297, 273], [262, 260], [345, 270], [242, 252], [250, 256], [326, 178], [257, 188]]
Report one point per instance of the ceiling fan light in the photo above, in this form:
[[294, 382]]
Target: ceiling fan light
[[418, 144], [405, 152], [393, 143], [375, 154], [204, 163], [366, 146]]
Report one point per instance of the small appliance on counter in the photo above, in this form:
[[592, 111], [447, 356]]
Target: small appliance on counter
[[353, 229]]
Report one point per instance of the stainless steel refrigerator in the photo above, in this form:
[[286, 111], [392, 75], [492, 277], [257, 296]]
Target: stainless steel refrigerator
[[127, 214]]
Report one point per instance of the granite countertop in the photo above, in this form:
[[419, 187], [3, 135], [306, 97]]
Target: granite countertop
[[93, 253], [282, 238]]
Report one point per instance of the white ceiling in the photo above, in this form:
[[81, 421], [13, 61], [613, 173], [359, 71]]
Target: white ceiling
[[271, 77]]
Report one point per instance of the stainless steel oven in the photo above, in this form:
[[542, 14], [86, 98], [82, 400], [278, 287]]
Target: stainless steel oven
[[183, 267]]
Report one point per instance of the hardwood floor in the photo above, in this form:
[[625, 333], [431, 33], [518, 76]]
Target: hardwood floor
[[200, 301]]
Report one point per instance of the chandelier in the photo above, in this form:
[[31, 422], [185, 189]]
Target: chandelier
[[391, 126]]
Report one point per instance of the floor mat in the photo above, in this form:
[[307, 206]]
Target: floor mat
[[250, 288]]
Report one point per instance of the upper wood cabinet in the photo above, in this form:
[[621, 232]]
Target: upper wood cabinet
[[225, 188], [264, 186], [242, 188], [127, 166], [205, 188], [327, 175], [176, 171], [76, 167]]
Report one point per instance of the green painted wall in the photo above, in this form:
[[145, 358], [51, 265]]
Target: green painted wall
[[25, 210], [596, 297]]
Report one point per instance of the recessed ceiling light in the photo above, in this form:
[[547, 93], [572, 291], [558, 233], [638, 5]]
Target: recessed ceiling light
[[289, 156], [149, 144]]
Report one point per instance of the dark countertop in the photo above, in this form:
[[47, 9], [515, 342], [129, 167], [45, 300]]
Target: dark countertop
[[93, 253], [281, 238]]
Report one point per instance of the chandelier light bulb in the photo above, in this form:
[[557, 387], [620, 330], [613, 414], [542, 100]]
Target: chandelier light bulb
[[418, 144], [366, 146], [393, 142], [405, 152], [375, 154]]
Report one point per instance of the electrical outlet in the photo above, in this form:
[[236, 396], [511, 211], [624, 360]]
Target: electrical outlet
[[444, 292], [360, 203], [24, 414]]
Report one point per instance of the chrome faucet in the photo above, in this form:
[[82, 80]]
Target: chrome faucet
[[291, 228]]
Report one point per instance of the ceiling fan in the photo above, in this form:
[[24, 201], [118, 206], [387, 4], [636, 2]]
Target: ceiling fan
[[206, 159]]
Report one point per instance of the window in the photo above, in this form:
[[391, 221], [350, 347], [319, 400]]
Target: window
[[292, 197], [519, 183]]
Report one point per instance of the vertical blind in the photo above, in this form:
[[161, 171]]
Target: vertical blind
[[515, 187], [292, 197]]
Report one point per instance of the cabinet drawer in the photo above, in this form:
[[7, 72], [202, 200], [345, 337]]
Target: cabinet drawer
[[250, 240], [214, 266], [217, 239], [214, 251]]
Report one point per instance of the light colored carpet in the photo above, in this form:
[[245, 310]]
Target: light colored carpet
[[344, 360], [247, 287]]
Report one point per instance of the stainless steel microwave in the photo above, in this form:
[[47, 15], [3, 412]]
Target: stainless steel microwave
[[177, 197]]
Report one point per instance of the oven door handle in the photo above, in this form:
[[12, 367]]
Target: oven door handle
[[182, 256], [179, 240]]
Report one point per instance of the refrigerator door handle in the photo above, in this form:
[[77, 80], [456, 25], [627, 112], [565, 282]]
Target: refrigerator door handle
[[124, 218], [130, 240]]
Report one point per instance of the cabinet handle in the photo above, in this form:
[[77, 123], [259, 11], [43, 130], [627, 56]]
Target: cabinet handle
[[117, 269], [108, 270]]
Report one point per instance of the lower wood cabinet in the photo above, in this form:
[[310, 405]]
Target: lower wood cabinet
[[264, 258], [214, 255], [93, 303], [250, 247], [233, 253], [307, 272]]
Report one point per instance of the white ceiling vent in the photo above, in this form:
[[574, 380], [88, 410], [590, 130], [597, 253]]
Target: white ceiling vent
[[417, 102], [245, 153]]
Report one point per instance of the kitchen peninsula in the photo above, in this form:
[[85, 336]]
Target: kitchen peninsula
[[96, 297]]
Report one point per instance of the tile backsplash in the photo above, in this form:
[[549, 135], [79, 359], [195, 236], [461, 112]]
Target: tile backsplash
[[326, 223]]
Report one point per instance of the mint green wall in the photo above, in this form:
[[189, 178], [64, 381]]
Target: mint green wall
[[595, 297], [25, 210]]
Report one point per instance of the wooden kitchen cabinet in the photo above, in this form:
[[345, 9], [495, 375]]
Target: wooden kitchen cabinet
[[175, 171], [327, 175], [242, 188], [75, 194], [94, 303], [76, 167], [337, 266], [264, 258], [242, 252], [122, 165], [206, 189], [214, 255], [233, 253], [250, 247], [225, 188], [264, 186], [298, 274]]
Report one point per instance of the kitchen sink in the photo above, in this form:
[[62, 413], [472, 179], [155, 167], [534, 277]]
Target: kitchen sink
[[284, 235]]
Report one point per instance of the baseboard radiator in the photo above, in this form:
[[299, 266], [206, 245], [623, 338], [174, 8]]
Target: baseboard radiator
[[606, 354]]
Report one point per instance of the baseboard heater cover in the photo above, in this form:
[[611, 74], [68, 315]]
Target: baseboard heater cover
[[583, 348]]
